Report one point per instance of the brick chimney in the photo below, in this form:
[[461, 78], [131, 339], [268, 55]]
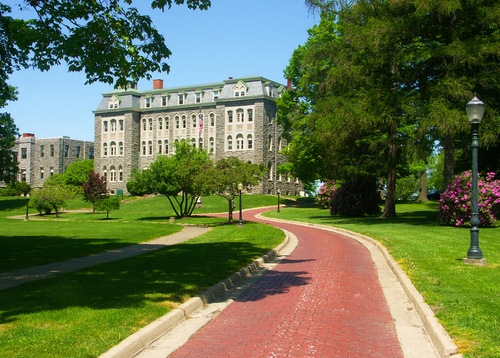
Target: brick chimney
[[157, 84], [28, 135], [288, 84]]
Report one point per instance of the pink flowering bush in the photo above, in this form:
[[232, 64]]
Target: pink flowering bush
[[356, 198], [455, 203], [325, 193]]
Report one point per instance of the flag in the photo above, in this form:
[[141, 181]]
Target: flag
[[201, 123]]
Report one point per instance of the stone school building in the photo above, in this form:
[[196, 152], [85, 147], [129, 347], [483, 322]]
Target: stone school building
[[234, 117]]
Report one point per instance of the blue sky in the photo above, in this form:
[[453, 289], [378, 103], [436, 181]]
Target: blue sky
[[233, 38]]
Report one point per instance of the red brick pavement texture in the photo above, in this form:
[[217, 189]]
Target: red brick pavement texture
[[323, 300]]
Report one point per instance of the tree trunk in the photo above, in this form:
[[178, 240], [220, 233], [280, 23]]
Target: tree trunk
[[449, 160], [422, 196], [230, 211], [390, 200]]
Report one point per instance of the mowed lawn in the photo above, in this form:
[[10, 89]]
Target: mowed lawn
[[85, 313]]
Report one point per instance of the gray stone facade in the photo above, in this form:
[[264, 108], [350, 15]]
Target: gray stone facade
[[238, 117], [40, 158]]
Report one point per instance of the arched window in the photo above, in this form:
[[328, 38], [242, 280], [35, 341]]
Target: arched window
[[121, 124], [166, 146], [184, 122], [212, 120], [120, 173], [230, 116], [176, 122], [150, 147], [105, 173], [144, 124], [143, 148], [104, 149], [200, 143], [212, 144], [240, 115], [250, 115], [105, 126], [112, 147], [113, 125], [249, 141], [193, 142], [159, 147], [160, 124], [193, 120], [150, 120], [112, 174], [229, 142], [239, 141], [167, 120], [120, 148]]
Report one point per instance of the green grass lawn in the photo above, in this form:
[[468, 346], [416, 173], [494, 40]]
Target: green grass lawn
[[106, 303], [466, 299]]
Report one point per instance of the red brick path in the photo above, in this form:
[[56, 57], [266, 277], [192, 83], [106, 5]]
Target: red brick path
[[323, 300]]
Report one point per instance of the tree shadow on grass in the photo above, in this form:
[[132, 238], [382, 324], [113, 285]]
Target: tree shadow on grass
[[170, 274]]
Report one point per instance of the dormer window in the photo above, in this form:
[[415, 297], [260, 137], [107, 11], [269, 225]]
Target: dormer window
[[181, 98], [240, 89], [149, 100], [164, 100], [197, 97], [113, 102], [215, 94]]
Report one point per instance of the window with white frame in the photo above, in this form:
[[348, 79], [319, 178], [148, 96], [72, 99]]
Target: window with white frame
[[167, 120], [113, 102], [113, 125], [250, 115], [150, 148], [184, 122], [230, 116], [239, 141], [150, 121], [193, 120], [200, 143], [120, 173], [120, 148], [215, 94], [160, 124], [164, 101], [193, 142], [112, 148], [197, 97], [112, 174], [144, 124], [105, 126], [166, 146], [120, 122], [105, 173], [143, 148], [212, 120], [176, 122], [159, 147], [249, 141], [229, 142], [148, 102], [104, 149], [212, 145], [181, 98], [240, 115]]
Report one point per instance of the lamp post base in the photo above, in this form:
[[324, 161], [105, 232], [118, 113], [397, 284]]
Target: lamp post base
[[475, 262]]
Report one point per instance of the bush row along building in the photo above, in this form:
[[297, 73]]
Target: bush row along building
[[235, 117]]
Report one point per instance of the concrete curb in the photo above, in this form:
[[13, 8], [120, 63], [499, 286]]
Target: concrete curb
[[142, 338], [438, 335]]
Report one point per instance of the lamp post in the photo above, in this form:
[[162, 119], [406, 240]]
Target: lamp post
[[475, 112], [279, 192], [27, 206], [240, 188]]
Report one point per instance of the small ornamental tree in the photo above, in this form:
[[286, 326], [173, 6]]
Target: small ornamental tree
[[358, 197], [95, 188], [455, 203], [325, 193], [107, 204], [50, 197]]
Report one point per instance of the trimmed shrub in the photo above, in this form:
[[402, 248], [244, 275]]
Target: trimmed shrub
[[455, 203], [358, 197]]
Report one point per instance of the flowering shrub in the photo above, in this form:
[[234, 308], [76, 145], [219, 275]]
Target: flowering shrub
[[358, 197], [455, 203], [325, 193]]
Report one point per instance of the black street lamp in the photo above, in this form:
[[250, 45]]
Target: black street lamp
[[240, 188], [475, 112], [27, 205], [279, 192]]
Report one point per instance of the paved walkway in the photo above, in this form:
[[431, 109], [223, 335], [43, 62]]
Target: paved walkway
[[18, 277], [323, 300]]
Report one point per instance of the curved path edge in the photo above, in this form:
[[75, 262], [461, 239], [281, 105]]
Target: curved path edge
[[196, 307], [440, 338]]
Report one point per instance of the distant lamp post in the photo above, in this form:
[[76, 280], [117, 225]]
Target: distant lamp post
[[240, 188], [27, 205], [475, 112], [279, 192]]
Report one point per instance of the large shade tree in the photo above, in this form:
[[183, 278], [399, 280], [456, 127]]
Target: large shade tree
[[108, 40]]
